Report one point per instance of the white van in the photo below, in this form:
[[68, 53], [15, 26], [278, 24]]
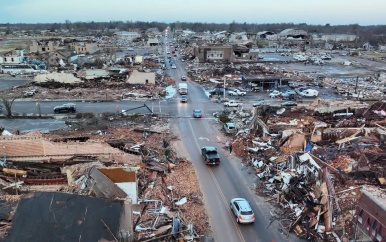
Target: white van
[[309, 93]]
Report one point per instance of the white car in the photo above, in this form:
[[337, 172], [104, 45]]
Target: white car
[[275, 94], [242, 210], [233, 103], [236, 92], [289, 92], [174, 67]]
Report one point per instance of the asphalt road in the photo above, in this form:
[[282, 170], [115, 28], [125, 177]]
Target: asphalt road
[[6, 81], [221, 183], [228, 180]]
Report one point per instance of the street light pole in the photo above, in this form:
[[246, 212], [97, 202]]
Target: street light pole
[[224, 87]]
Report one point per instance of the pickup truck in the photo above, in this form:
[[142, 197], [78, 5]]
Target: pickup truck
[[210, 155], [237, 92], [233, 103], [216, 91]]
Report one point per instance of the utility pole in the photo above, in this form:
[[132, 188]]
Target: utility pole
[[356, 85], [38, 108], [224, 88]]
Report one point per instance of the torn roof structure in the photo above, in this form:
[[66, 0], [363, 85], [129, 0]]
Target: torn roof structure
[[55, 216], [36, 148]]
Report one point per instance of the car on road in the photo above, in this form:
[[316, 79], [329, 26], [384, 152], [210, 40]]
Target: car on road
[[289, 104], [260, 103], [242, 210], [197, 113], [233, 103], [184, 99], [174, 67], [274, 94], [183, 78], [65, 108]]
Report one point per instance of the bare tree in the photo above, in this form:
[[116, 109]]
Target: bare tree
[[8, 106]]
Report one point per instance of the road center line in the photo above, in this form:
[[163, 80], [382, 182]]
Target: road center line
[[216, 183]]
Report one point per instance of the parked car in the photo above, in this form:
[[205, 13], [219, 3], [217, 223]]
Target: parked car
[[242, 210], [229, 128], [184, 99], [289, 103], [289, 92], [65, 108], [236, 92], [29, 93], [260, 103], [290, 97], [257, 89], [217, 91], [274, 94], [197, 113], [183, 78], [309, 93], [174, 67]]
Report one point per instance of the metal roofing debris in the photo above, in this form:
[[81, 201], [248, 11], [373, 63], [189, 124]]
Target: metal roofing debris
[[305, 164], [65, 216]]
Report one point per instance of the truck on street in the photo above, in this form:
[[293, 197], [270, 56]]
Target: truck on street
[[233, 103], [236, 92], [183, 88], [210, 155]]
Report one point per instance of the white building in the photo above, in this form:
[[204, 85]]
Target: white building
[[12, 57], [339, 37]]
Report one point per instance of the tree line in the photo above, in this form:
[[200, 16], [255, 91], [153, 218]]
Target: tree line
[[372, 33]]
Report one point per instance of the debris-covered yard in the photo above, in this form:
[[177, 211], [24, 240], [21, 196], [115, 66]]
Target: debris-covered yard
[[168, 202], [314, 163]]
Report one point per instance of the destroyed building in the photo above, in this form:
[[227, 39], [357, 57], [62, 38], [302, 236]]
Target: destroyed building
[[370, 216], [214, 53], [52, 216], [314, 162], [138, 191]]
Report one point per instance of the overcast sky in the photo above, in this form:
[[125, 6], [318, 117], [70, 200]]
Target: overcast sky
[[370, 12]]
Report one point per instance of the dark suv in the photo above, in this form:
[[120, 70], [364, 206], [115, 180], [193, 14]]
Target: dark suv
[[65, 108]]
